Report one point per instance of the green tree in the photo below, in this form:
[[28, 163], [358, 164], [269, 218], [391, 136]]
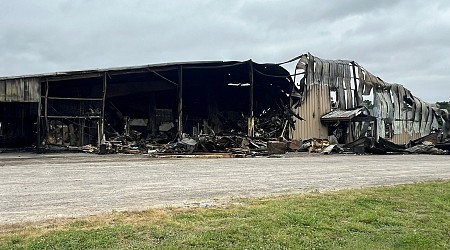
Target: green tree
[[368, 104], [444, 105]]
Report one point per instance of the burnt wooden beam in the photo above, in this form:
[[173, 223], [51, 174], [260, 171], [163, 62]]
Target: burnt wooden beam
[[102, 121], [46, 107], [38, 122], [73, 117], [74, 98], [152, 125], [251, 121], [180, 101], [162, 77]]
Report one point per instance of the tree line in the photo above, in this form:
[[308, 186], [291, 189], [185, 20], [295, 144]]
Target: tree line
[[444, 105]]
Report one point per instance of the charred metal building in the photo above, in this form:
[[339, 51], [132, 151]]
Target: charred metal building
[[164, 102], [332, 95], [89, 107]]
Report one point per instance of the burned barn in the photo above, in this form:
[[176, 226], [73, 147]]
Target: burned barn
[[214, 106], [160, 103]]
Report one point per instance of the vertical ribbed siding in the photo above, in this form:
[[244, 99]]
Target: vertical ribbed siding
[[317, 103], [20, 90], [393, 105], [405, 137]]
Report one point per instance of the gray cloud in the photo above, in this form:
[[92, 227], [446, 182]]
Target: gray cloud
[[400, 41]]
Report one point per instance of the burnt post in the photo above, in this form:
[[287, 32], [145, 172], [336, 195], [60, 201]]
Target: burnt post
[[180, 102], [251, 119], [152, 126], [102, 119], [46, 109], [38, 122]]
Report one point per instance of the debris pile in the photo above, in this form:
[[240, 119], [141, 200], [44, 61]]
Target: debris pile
[[424, 145], [323, 146], [222, 133], [426, 148], [273, 123], [237, 145], [231, 141], [430, 144]]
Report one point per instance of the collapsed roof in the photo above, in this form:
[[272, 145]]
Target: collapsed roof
[[345, 85]]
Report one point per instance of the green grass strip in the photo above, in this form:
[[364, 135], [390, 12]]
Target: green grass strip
[[415, 216]]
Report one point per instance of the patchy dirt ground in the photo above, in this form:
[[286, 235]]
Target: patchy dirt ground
[[39, 187]]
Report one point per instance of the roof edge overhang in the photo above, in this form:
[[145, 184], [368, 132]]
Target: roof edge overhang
[[125, 69], [93, 73]]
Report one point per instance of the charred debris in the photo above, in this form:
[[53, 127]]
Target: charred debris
[[219, 109]]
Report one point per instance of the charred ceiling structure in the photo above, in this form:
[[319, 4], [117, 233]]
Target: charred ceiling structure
[[333, 102], [159, 102]]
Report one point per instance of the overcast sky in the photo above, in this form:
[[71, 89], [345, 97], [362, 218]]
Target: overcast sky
[[405, 41]]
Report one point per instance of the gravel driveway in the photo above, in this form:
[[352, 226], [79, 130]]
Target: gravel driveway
[[38, 187]]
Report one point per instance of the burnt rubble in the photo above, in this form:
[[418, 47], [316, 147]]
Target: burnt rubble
[[232, 139]]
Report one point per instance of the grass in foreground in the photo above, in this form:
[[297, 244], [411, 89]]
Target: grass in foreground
[[400, 217]]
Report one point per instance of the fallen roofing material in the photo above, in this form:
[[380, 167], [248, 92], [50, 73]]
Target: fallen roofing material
[[346, 115], [371, 145], [338, 115]]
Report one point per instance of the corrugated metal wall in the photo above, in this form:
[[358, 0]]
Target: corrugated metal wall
[[20, 90], [405, 137], [406, 116], [317, 103]]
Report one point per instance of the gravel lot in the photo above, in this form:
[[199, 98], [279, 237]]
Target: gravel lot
[[38, 187]]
